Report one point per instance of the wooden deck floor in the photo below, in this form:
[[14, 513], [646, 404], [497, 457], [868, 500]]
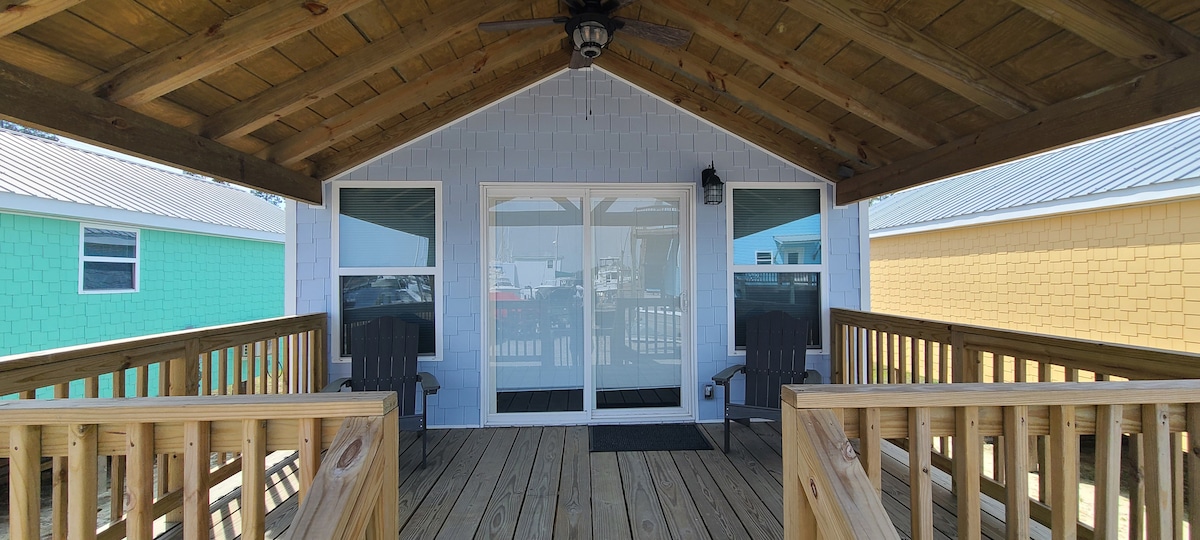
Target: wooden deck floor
[[535, 482]]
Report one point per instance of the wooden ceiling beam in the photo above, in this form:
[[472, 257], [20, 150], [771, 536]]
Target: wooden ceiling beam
[[17, 15], [936, 61], [801, 156], [33, 100], [827, 83], [327, 79], [238, 37], [1156, 95], [1119, 27], [469, 68], [747, 95], [442, 115]]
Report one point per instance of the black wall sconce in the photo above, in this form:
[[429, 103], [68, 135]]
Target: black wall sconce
[[714, 188]]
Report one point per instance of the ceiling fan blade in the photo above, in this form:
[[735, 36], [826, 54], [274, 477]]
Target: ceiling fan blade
[[663, 35], [578, 60], [613, 5], [505, 26], [574, 5]]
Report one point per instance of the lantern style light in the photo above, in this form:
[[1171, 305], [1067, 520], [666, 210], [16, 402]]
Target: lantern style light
[[714, 188], [590, 38]]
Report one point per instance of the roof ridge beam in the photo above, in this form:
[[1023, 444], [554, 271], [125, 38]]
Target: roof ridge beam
[[725, 119], [236, 38], [1165, 92], [469, 68], [37, 101], [327, 79], [1120, 27], [925, 56], [747, 95], [18, 15], [819, 79], [447, 113]]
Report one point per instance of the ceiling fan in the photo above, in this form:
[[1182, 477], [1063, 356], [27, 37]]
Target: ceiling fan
[[590, 27]]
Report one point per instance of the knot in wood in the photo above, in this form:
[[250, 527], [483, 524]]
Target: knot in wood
[[812, 485], [350, 454], [848, 451], [316, 8]]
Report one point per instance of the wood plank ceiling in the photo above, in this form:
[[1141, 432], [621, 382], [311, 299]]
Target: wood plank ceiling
[[875, 95]]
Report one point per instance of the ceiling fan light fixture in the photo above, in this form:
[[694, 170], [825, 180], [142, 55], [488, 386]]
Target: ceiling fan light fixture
[[590, 38]]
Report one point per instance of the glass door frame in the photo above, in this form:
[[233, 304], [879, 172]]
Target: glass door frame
[[687, 410]]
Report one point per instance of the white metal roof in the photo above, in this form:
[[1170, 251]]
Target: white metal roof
[[54, 173], [1157, 160]]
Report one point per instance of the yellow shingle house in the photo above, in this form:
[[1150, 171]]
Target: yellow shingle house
[[1097, 241]]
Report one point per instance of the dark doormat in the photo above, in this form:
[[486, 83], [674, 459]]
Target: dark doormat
[[648, 437]]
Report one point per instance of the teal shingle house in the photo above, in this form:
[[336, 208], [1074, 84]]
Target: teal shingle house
[[94, 248]]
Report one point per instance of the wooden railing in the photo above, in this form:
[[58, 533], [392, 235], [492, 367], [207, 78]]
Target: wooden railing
[[361, 426], [284, 355], [831, 489]]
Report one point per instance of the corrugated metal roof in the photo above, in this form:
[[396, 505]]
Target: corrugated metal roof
[[49, 170], [1151, 156]]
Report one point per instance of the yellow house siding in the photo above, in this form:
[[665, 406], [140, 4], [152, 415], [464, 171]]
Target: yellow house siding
[[1123, 275]]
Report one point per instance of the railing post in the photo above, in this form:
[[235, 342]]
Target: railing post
[[24, 482], [799, 522], [196, 457]]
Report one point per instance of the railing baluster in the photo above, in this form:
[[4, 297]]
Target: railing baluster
[[1193, 466], [1016, 452], [1044, 454], [1064, 498], [25, 482], [58, 493], [1108, 471], [254, 456], [869, 443], [116, 473], [1157, 475], [310, 453], [1177, 502], [239, 352], [196, 456], [139, 489], [81, 499], [1137, 491], [928, 362], [920, 479], [967, 460]]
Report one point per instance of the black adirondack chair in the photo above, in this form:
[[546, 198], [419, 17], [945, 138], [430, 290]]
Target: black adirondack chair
[[384, 357], [775, 355]]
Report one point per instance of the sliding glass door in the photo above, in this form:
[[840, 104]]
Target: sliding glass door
[[586, 309]]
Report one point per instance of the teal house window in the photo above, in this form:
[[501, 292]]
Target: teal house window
[[108, 260]]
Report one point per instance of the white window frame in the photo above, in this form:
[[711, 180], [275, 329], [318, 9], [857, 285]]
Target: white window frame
[[821, 269], [336, 270], [136, 261]]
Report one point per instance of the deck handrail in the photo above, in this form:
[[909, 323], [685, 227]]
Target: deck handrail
[[196, 428], [1157, 412]]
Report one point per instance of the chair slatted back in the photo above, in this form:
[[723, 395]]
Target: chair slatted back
[[776, 344], [384, 357]]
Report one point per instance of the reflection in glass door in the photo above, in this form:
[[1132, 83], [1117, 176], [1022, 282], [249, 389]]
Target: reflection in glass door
[[535, 304], [637, 292]]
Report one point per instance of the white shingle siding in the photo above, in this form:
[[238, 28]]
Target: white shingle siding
[[632, 137]]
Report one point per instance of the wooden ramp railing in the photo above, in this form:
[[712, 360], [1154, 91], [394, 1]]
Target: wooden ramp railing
[[831, 491], [283, 355], [361, 426]]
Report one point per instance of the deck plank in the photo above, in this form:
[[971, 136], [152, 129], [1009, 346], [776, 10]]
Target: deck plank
[[610, 517], [416, 483], [573, 519], [683, 518], [756, 515], [718, 514], [645, 513], [537, 513], [432, 512], [768, 486], [500, 517], [468, 510]]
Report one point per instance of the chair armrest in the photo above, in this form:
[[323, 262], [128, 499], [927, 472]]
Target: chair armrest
[[336, 384], [812, 376], [723, 377], [429, 383]]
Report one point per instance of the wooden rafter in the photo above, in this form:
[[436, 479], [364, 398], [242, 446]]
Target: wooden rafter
[[195, 56], [442, 115], [469, 68], [1159, 94], [34, 100], [17, 15], [750, 96], [936, 61], [1119, 27], [328, 78], [727, 120], [825, 82]]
